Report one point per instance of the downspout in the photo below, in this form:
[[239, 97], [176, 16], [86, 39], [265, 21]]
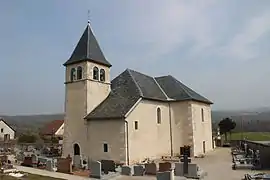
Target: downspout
[[170, 121], [126, 122]]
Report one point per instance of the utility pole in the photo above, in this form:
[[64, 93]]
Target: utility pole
[[242, 128]]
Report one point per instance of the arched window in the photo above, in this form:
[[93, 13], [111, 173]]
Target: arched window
[[158, 115], [95, 73], [102, 75], [77, 149], [79, 72], [73, 74]]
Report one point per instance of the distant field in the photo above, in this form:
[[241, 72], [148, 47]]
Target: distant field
[[253, 136]]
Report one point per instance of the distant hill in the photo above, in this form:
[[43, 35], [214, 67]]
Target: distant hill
[[253, 120], [30, 122]]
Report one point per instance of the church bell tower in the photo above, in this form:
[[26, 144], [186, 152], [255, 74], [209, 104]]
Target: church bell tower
[[87, 84]]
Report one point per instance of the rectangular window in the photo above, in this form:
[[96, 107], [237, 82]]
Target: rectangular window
[[105, 147], [2, 130], [202, 113], [136, 125]]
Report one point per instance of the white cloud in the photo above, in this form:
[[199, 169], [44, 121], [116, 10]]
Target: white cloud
[[240, 47], [168, 25]]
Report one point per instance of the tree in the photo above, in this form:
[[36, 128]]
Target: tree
[[27, 138], [226, 125]]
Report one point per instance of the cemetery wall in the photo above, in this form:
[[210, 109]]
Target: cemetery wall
[[264, 150]]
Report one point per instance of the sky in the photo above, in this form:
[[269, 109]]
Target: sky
[[220, 49]]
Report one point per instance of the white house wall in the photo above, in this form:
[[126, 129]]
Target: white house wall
[[6, 130]]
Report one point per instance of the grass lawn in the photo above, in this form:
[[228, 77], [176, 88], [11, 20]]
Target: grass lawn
[[252, 136], [29, 177]]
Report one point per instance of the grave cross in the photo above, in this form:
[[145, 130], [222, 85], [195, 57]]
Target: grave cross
[[185, 160]]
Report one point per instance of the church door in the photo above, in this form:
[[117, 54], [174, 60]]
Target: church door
[[77, 150]]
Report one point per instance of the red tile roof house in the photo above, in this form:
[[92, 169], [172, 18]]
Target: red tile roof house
[[53, 129]]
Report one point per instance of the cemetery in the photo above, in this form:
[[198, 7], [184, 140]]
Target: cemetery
[[252, 156], [246, 156]]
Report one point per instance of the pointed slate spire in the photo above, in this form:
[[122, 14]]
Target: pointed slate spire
[[88, 49]]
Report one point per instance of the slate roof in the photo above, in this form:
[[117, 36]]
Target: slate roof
[[130, 86], [88, 49], [2, 119], [178, 91], [52, 127]]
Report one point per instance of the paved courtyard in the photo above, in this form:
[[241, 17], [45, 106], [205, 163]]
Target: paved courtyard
[[217, 163]]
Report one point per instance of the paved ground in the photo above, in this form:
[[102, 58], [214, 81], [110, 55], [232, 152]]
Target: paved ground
[[216, 163]]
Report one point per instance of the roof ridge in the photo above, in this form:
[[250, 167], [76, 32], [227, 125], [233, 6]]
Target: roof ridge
[[133, 79], [88, 39], [161, 88], [182, 86]]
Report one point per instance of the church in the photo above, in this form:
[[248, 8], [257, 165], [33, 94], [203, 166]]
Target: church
[[132, 117]]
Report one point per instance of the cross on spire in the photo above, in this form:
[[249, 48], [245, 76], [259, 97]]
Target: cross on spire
[[88, 16]]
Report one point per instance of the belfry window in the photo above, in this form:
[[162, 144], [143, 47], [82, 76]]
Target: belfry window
[[95, 73], [72, 74], [102, 75], [79, 72]]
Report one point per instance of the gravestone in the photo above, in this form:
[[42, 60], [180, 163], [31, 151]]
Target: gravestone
[[151, 169], [49, 165], [138, 170], [85, 164], [95, 171], [27, 162], [108, 166], [126, 170], [179, 170], [34, 158], [77, 161], [185, 161], [64, 165], [166, 175], [165, 166], [193, 170]]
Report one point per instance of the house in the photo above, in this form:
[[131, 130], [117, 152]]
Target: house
[[132, 117], [6, 131], [53, 129]]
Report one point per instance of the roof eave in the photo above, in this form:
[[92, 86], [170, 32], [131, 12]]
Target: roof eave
[[104, 118], [87, 59]]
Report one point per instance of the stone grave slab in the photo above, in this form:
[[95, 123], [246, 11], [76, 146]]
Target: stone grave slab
[[165, 166], [126, 170], [166, 175], [179, 170], [108, 166], [77, 161], [27, 162], [64, 165], [95, 171], [150, 169], [138, 170], [49, 165]]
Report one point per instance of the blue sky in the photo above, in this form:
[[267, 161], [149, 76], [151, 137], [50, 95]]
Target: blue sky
[[218, 48]]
